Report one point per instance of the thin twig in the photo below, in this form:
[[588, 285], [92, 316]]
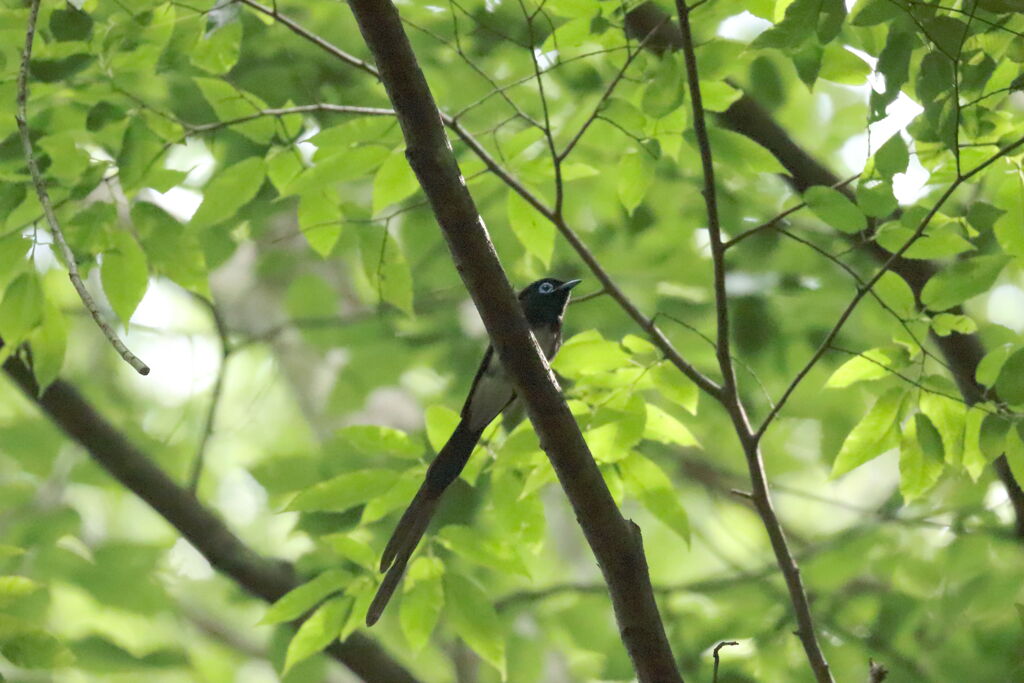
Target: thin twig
[[44, 199], [772, 222], [729, 396], [714, 677], [710, 200], [215, 395]]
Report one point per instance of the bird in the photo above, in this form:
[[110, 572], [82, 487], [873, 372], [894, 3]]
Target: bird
[[544, 303]]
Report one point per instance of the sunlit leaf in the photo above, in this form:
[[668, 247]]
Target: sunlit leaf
[[876, 433], [317, 632]]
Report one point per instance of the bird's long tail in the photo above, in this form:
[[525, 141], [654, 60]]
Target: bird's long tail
[[443, 471]]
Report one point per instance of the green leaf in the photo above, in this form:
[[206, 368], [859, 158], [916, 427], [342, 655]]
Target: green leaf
[[320, 220], [386, 268], [675, 386], [614, 430], [96, 654], [653, 488], [172, 249], [959, 282], [835, 209], [125, 274], [534, 232], [440, 421], [486, 551], [70, 24], [662, 427], [353, 549], [398, 496], [974, 458], [284, 164], [839, 65], [377, 440], [945, 324], [940, 241], [1013, 449], [919, 470], [49, 342], [230, 103], [344, 491], [799, 24], [876, 199], [876, 433], [992, 363], [946, 413], [394, 181], [471, 614], [896, 293], [635, 175], [217, 51], [36, 650], [992, 439], [892, 157], [21, 309], [13, 248], [301, 599], [1010, 385], [229, 191], [870, 365], [422, 602], [588, 353], [317, 632], [664, 92], [731, 149], [13, 588]]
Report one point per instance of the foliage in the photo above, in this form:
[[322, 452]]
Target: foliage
[[276, 264]]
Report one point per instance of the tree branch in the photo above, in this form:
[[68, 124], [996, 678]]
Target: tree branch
[[44, 199], [262, 577], [616, 542], [729, 396]]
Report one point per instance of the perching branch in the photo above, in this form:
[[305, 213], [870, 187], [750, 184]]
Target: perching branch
[[616, 541], [262, 577], [44, 199]]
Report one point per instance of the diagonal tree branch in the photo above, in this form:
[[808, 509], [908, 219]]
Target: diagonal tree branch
[[44, 199], [262, 577], [616, 541]]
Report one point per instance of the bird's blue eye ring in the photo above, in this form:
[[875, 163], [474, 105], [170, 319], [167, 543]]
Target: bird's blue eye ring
[[546, 288]]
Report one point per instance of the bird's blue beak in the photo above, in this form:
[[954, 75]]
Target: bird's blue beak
[[566, 286]]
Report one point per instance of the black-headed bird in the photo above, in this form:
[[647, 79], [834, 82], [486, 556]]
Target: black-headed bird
[[544, 304]]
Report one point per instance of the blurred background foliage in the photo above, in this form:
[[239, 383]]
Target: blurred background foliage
[[311, 343]]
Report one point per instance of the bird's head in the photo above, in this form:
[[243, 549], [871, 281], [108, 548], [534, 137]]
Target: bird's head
[[545, 300]]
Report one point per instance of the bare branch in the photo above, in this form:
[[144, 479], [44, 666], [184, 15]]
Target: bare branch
[[44, 199], [615, 541]]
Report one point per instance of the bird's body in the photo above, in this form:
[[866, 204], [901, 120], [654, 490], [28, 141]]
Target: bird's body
[[492, 391]]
